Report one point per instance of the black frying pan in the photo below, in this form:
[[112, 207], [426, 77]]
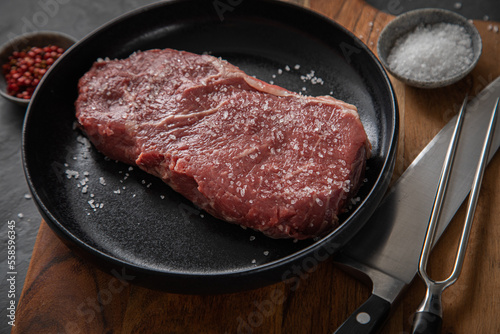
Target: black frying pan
[[126, 219]]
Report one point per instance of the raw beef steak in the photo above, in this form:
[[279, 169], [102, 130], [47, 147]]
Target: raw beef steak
[[243, 150]]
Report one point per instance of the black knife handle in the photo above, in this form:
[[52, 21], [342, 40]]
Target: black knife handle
[[368, 318], [426, 323]]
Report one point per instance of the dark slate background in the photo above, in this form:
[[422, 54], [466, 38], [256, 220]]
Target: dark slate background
[[472, 9]]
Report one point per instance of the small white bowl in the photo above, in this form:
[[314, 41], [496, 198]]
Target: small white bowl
[[40, 39], [407, 22]]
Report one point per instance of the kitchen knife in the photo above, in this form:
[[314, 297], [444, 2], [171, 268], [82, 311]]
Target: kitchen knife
[[387, 249]]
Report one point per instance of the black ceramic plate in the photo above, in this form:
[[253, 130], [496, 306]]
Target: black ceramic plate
[[124, 218]]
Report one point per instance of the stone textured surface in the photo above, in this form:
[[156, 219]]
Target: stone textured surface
[[75, 18]]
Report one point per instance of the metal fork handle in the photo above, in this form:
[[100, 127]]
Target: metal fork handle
[[428, 318], [473, 198]]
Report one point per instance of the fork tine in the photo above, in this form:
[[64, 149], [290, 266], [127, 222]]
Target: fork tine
[[473, 197], [441, 190]]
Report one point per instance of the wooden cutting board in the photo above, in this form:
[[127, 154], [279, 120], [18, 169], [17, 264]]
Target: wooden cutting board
[[65, 294]]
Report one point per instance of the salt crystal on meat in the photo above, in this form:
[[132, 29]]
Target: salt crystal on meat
[[267, 166]]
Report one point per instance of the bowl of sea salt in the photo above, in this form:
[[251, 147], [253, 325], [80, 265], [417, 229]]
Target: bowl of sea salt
[[429, 48]]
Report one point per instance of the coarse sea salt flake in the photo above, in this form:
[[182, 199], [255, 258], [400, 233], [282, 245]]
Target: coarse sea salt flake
[[72, 173], [347, 185], [432, 52], [355, 200]]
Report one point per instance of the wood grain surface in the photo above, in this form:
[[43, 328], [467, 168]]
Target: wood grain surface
[[65, 294]]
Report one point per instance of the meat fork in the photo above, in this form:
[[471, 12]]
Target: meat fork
[[428, 318]]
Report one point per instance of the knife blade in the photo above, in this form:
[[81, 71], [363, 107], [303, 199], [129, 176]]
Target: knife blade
[[387, 249]]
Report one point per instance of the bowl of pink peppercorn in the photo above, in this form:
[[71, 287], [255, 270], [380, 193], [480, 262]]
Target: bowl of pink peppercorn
[[24, 60]]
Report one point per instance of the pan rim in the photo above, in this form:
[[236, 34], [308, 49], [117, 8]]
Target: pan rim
[[378, 188]]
